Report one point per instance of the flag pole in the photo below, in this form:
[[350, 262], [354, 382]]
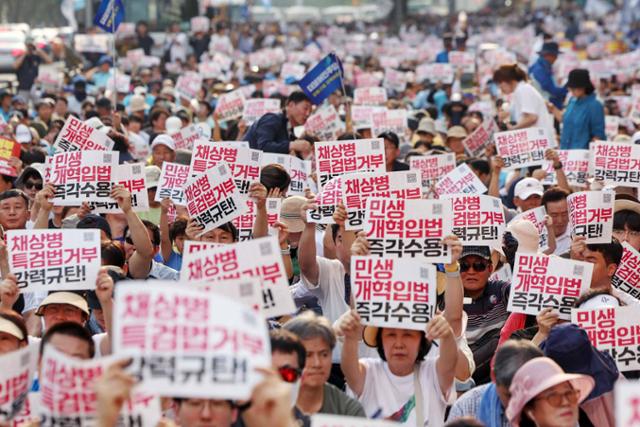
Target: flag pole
[[115, 55], [344, 94]]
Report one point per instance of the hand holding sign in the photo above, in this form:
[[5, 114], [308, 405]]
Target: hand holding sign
[[349, 326], [360, 246], [122, 197], [9, 292]]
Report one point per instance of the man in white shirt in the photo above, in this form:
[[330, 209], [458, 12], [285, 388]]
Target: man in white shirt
[[555, 202]]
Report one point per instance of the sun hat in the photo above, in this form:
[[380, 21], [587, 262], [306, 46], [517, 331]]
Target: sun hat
[[64, 297], [290, 213]]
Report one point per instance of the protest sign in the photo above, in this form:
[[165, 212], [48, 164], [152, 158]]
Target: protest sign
[[82, 176], [16, 375], [537, 217], [50, 76], [244, 223], [323, 79], [523, 147], [68, 392], [325, 420], [253, 258], [135, 55], [327, 200], [442, 73], [393, 293], [389, 121], [370, 96], [335, 158], [230, 106], [358, 187], [149, 61], [188, 85], [187, 136], [540, 281], [614, 163], [119, 82], [292, 71], [194, 246], [362, 116], [591, 215], [92, 43], [213, 198], [132, 177], [8, 149], [475, 143], [395, 80], [211, 70], [575, 165], [611, 125], [325, 124], [503, 274], [478, 220], [432, 168], [173, 179], [399, 228], [54, 260], [299, 171], [189, 343], [464, 61], [460, 180], [77, 135], [627, 275], [615, 330], [245, 290], [199, 24], [30, 410], [243, 162], [627, 403], [258, 107], [367, 80]]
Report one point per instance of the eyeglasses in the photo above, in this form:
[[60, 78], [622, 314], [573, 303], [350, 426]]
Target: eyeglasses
[[556, 399], [629, 233], [30, 184], [478, 266], [289, 374]]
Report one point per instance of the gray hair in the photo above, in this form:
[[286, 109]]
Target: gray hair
[[510, 357], [309, 325]]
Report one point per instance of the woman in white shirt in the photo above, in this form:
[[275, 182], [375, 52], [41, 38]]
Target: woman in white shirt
[[528, 107]]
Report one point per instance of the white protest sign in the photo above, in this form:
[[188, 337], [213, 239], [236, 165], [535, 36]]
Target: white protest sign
[[611, 125], [575, 165], [613, 330], [335, 158], [367, 80], [213, 198], [245, 290], [503, 274], [461, 180], [540, 281], [362, 116], [76, 135], [395, 80], [325, 123], [463, 60], [627, 275], [394, 293], [210, 70], [68, 392], [478, 220], [82, 176], [442, 73], [474, 144], [16, 375], [523, 147], [253, 258], [258, 107], [370, 96], [358, 187], [199, 24], [245, 222], [54, 260], [389, 121], [119, 82], [92, 43], [132, 177], [627, 403], [326, 200], [399, 228], [299, 171], [187, 136], [244, 162], [537, 217], [230, 106], [173, 179], [135, 55], [614, 163], [51, 76], [325, 420], [290, 70], [432, 168], [188, 85], [591, 215]]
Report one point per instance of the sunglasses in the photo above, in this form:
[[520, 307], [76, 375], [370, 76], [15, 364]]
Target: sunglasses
[[30, 184], [289, 374], [556, 399], [478, 266]]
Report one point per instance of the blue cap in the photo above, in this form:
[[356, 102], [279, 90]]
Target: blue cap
[[105, 59], [78, 79]]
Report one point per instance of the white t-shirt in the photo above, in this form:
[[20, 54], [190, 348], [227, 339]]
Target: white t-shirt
[[394, 395], [563, 242], [526, 99]]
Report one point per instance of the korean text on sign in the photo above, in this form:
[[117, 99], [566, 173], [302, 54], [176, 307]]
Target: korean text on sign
[[627, 276], [253, 258], [245, 290], [244, 223], [615, 163], [325, 123], [132, 177], [395, 293], [537, 217], [475, 143], [389, 121], [68, 395], [187, 136], [523, 147], [370, 96], [478, 220], [256, 108], [358, 187], [575, 165], [627, 403], [326, 200], [213, 198], [334, 158], [173, 179], [461, 180], [615, 330], [230, 106], [408, 228], [591, 215], [540, 281], [17, 372], [432, 168], [77, 135], [53, 260], [189, 343]]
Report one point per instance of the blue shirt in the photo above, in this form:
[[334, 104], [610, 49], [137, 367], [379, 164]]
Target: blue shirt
[[583, 119], [443, 57], [542, 74]]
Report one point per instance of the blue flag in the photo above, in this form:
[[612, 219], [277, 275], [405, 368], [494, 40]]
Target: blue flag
[[323, 79], [107, 10]]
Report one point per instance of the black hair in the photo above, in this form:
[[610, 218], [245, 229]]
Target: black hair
[[423, 349], [156, 113], [71, 329], [287, 342], [335, 228], [10, 194], [18, 321], [510, 357], [464, 422], [481, 165], [628, 218], [509, 73], [297, 97], [230, 228], [349, 135], [112, 253], [6, 178], [275, 176], [391, 137], [554, 194], [178, 228], [155, 231], [134, 118], [611, 252]]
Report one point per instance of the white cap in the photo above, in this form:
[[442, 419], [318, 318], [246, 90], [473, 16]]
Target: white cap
[[23, 134], [527, 187], [173, 124], [164, 139], [600, 301]]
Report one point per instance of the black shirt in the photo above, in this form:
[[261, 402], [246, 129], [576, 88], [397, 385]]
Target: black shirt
[[399, 166], [28, 71]]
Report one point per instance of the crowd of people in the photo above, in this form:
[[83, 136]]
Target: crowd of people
[[476, 363]]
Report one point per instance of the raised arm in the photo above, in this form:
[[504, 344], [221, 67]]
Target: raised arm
[[438, 329], [104, 292], [166, 247], [307, 245], [350, 327]]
